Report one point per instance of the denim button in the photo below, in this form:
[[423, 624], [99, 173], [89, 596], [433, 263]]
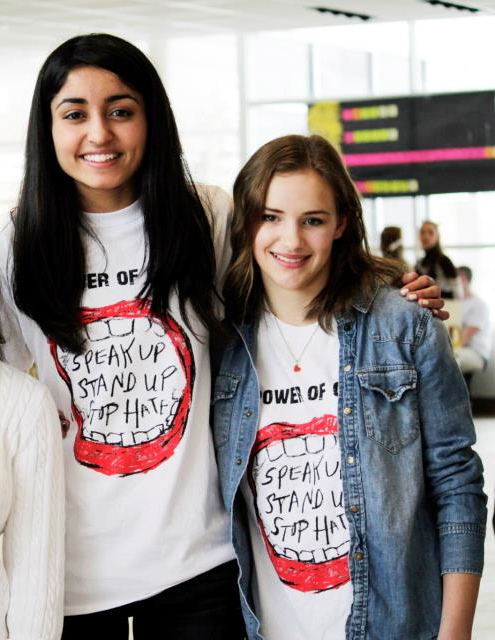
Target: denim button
[[238, 461], [248, 413], [347, 368], [347, 411], [354, 508], [390, 393], [359, 555], [350, 459]]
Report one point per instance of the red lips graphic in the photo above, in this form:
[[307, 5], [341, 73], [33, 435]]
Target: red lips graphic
[[294, 474], [131, 389]]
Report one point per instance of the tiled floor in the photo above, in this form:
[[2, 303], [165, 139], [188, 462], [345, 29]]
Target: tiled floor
[[484, 622]]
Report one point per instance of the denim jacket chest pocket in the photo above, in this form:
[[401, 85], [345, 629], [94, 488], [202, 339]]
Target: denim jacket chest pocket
[[223, 400], [390, 406]]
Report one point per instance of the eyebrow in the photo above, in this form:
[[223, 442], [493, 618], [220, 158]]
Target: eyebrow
[[305, 213], [109, 100]]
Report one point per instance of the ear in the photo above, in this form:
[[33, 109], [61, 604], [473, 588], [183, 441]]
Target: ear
[[342, 224]]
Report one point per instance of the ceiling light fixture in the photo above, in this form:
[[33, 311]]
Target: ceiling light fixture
[[452, 5], [341, 13]]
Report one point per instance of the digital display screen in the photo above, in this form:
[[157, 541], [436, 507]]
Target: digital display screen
[[414, 145]]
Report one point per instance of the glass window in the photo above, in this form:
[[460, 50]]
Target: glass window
[[18, 77], [457, 53], [390, 74], [464, 219], [357, 60], [201, 78], [268, 121], [396, 212], [340, 73], [277, 68]]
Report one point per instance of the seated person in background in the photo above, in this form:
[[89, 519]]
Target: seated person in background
[[391, 244], [476, 334], [435, 263]]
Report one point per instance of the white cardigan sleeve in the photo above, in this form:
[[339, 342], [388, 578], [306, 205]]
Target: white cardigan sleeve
[[34, 531]]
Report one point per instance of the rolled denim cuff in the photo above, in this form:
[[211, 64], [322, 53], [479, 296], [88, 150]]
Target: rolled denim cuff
[[462, 548]]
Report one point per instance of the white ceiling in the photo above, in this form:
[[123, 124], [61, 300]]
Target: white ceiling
[[31, 22]]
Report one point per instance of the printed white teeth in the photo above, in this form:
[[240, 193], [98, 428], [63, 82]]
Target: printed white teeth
[[319, 555], [294, 447], [100, 157], [108, 328], [315, 444], [128, 438], [173, 410], [275, 451], [316, 556], [155, 432], [291, 554]]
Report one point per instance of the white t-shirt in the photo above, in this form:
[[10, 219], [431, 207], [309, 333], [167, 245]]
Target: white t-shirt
[[293, 488], [475, 313], [143, 502]]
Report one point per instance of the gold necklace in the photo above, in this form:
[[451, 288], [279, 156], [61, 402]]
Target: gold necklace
[[297, 360]]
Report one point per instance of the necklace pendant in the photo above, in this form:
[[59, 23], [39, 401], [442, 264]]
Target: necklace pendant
[[297, 368]]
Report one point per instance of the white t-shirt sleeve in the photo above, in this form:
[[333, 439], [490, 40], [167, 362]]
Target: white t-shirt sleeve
[[475, 313], [218, 205]]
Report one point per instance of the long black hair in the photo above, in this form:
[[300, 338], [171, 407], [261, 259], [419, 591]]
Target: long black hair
[[49, 260]]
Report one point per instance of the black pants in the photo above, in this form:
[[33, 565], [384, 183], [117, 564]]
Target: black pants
[[206, 607]]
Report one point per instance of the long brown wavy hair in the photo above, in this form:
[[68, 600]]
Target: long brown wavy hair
[[352, 267]]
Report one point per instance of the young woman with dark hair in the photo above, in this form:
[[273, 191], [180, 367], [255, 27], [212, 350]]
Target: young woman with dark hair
[[435, 263], [341, 421], [110, 264], [49, 255], [391, 244]]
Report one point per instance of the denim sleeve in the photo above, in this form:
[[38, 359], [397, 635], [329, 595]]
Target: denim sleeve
[[454, 472]]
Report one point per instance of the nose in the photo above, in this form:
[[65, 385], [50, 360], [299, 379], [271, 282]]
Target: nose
[[99, 130], [291, 235]]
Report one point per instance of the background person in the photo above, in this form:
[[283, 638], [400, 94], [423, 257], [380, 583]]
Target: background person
[[341, 421], [476, 336], [435, 263], [391, 244]]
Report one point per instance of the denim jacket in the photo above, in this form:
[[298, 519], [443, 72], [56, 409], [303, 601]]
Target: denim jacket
[[412, 484]]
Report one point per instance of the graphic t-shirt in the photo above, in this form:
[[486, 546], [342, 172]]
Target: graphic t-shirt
[[293, 487], [143, 503]]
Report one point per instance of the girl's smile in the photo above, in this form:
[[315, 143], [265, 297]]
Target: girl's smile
[[99, 133], [289, 260]]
